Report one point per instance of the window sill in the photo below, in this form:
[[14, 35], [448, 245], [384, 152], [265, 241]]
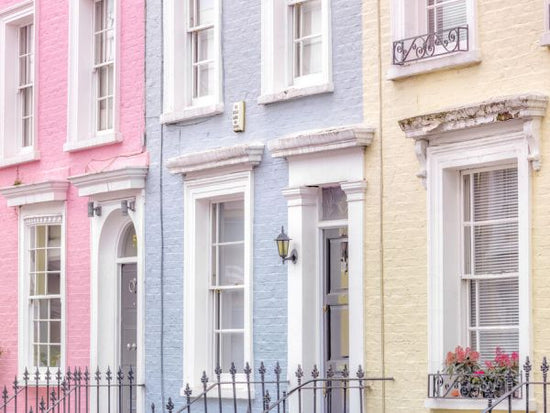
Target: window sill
[[20, 159], [452, 61], [241, 392], [295, 93], [98, 140], [479, 405], [192, 112], [545, 39]]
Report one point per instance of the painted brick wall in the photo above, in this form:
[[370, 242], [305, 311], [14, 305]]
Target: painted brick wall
[[51, 89], [396, 292], [241, 48]]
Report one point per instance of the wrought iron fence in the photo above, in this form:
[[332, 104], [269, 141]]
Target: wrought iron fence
[[482, 385], [331, 392], [527, 388], [430, 45], [72, 391]]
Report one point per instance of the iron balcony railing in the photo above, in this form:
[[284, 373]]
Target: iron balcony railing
[[331, 392], [471, 386], [430, 45], [527, 389], [74, 391]]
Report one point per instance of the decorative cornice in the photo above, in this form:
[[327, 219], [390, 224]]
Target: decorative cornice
[[301, 196], [19, 195], [321, 140], [110, 181], [44, 220], [427, 129], [355, 190], [244, 157], [495, 110]]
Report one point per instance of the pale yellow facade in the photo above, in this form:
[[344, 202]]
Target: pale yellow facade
[[396, 279]]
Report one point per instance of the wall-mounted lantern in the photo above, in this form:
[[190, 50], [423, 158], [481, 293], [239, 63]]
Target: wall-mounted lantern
[[126, 205], [283, 242]]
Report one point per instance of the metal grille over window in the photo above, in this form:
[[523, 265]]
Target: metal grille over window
[[26, 84], [45, 294], [442, 28], [227, 282], [104, 44], [307, 37], [491, 259], [201, 36]]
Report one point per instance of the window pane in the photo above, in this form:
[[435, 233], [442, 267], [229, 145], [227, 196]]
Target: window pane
[[310, 14], [496, 195], [40, 236], [507, 340], [129, 243], [206, 12], [40, 260], [496, 248], [40, 284], [55, 309], [55, 356], [232, 309], [55, 332], [206, 80], [53, 284], [499, 302], [43, 356], [338, 253], [231, 264], [43, 305], [205, 45], [334, 203], [467, 250], [231, 221], [311, 56], [231, 350], [339, 332]]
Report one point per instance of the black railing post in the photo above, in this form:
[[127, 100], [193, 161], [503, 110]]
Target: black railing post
[[218, 372], [330, 375], [36, 380], [48, 376], [345, 375], [544, 368], [119, 377], [58, 377], [97, 380], [299, 374], [187, 393], [131, 384], [278, 384], [233, 372], [152, 407], [360, 375], [247, 371], [87, 384], [204, 381], [68, 378], [109, 378], [315, 375], [5, 398], [26, 381], [527, 369], [267, 400], [262, 371], [170, 405]]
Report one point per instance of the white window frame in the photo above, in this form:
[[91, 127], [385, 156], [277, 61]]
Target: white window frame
[[81, 121], [178, 104], [278, 80], [401, 29], [197, 346], [545, 39], [46, 214], [494, 148], [11, 150]]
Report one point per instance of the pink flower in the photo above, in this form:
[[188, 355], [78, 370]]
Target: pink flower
[[479, 373]]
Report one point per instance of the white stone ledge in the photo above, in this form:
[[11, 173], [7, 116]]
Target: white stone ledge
[[130, 178], [477, 405], [20, 159], [244, 156], [99, 140], [451, 61], [321, 140], [295, 93], [19, 195], [192, 112]]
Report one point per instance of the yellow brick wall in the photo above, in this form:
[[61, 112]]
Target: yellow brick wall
[[396, 299]]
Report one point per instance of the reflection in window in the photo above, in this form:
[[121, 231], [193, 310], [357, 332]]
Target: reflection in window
[[129, 243]]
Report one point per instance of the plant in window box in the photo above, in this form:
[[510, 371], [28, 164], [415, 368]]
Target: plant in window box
[[462, 368], [501, 373]]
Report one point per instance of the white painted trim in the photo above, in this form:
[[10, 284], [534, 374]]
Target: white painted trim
[[109, 228], [178, 103], [456, 60], [191, 112], [495, 149], [278, 83], [130, 178], [295, 92], [81, 99], [321, 140], [197, 196], [240, 157], [19, 195], [11, 152], [520, 113], [44, 212], [545, 38]]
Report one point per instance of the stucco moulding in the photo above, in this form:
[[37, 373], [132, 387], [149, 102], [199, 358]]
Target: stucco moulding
[[321, 140], [244, 157], [49, 191], [110, 181], [526, 108]]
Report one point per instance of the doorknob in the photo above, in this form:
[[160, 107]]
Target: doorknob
[[132, 346]]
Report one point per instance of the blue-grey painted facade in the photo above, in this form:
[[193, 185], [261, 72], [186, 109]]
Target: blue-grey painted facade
[[241, 45]]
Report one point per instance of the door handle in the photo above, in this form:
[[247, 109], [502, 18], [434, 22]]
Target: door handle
[[131, 347]]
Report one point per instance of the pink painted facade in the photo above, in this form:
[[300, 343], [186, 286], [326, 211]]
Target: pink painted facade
[[54, 164]]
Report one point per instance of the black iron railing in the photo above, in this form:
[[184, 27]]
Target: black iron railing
[[430, 45], [472, 386], [73, 391], [331, 392], [527, 388]]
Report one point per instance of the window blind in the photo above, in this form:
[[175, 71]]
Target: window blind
[[445, 14], [491, 259]]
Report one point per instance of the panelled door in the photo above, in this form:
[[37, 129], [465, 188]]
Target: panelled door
[[128, 326], [335, 308]]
